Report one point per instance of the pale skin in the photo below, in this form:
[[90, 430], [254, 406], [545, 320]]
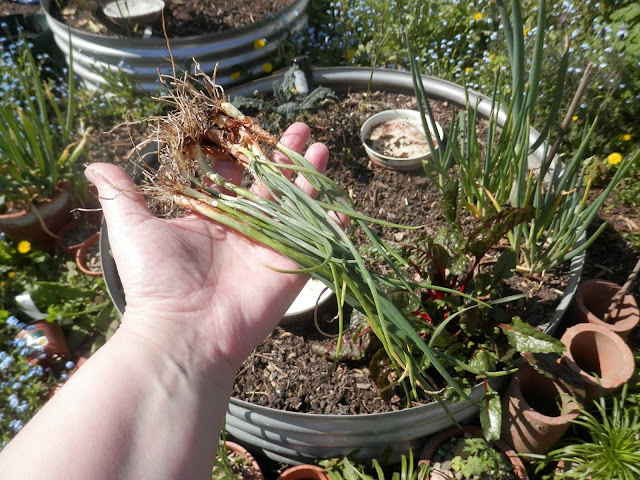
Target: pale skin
[[151, 402]]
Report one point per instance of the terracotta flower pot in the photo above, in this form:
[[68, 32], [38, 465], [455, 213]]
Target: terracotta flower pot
[[83, 255], [429, 450], [601, 357], [537, 411], [46, 337], [592, 301], [304, 472], [79, 230], [39, 226], [239, 450]]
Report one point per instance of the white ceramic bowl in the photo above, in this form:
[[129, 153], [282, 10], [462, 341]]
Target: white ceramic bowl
[[403, 145], [313, 294], [141, 12]]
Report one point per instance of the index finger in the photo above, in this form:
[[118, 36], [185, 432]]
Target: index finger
[[295, 138]]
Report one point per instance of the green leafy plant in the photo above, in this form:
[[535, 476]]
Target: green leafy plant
[[628, 17], [459, 343], [606, 445], [38, 150], [345, 469], [77, 302], [230, 464], [227, 466], [483, 335], [118, 100], [504, 175], [481, 460]]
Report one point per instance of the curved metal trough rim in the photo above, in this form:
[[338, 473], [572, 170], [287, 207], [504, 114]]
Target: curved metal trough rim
[[345, 78], [231, 51], [279, 417], [155, 42]]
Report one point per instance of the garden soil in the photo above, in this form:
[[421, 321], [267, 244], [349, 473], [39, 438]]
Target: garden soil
[[182, 18]]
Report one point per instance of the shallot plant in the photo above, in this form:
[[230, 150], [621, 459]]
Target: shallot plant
[[557, 186]]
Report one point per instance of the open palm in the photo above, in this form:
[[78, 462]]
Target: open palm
[[194, 275]]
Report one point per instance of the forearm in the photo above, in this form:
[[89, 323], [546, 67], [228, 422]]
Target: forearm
[[130, 412]]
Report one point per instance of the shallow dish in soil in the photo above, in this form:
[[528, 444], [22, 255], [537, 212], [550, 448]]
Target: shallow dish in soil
[[313, 294], [396, 139], [141, 12]]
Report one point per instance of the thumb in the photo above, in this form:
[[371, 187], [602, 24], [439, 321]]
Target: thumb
[[122, 201]]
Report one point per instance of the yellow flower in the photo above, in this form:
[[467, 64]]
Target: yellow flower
[[477, 16], [467, 70], [267, 67], [525, 31], [491, 57], [574, 118], [11, 274], [626, 137], [351, 53], [24, 246], [260, 43], [614, 158], [235, 75]]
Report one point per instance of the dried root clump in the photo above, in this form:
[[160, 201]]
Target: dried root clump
[[203, 127]]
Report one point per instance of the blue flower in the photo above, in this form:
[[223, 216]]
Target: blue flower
[[7, 362], [16, 425], [13, 400], [12, 321]]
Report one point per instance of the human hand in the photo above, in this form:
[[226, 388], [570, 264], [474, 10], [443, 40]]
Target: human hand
[[193, 286]]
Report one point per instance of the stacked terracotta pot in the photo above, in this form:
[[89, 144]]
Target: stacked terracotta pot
[[538, 409]]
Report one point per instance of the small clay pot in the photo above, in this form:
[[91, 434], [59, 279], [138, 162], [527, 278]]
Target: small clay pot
[[304, 472], [82, 255], [537, 411], [592, 301], [28, 224], [241, 451], [46, 337], [601, 357], [78, 231], [429, 450]]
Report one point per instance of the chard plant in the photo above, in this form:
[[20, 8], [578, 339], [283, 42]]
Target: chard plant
[[487, 336], [558, 187]]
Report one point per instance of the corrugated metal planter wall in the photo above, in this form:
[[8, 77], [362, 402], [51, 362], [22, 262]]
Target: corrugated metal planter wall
[[240, 53]]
